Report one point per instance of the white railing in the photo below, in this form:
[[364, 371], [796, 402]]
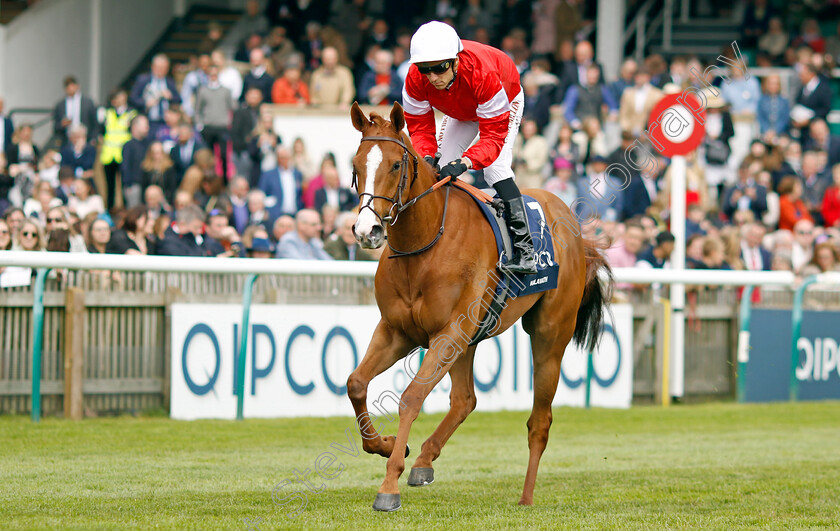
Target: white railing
[[250, 266]]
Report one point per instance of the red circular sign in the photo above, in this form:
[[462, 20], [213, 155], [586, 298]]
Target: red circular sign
[[662, 124]]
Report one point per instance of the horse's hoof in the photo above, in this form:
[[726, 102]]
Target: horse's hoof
[[387, 502], [421, 476]]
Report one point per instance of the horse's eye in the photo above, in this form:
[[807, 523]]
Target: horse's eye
[[396, 166]]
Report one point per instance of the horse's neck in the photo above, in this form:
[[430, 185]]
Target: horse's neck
[[419, 224]]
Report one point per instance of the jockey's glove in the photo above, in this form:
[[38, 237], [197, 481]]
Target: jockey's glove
[[453, 169]]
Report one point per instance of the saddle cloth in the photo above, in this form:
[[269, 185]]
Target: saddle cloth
[[547, 268]]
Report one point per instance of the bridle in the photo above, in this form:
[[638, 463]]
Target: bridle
[[397, 204]]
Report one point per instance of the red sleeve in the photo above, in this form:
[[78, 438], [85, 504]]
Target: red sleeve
[[419, 117], [831, 207]]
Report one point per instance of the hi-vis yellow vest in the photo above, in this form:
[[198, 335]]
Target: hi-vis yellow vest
[[117, 133]]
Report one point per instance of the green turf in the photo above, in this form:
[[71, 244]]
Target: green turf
[[717, 466]]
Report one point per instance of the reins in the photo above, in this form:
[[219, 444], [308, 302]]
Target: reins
[[397, 203]]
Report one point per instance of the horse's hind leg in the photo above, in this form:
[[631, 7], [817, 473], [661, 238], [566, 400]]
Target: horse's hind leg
[[386, 347], [547, 349], [461, 403]]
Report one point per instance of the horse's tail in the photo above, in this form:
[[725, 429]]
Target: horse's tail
[[596, 295]]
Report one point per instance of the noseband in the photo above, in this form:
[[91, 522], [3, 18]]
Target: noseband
[[397, 205]]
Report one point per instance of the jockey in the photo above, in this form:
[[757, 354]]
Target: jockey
[[477, 88]]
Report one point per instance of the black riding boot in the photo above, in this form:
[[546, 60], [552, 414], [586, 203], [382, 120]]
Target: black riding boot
[[523, 260]]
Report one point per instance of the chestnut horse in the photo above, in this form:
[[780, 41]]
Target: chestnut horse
[[424, 296]]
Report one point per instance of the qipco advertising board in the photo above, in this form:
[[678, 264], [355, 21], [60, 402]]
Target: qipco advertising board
[[299, 357]]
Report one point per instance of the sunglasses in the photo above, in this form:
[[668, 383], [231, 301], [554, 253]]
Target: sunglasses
[[55, 220], [28, 234], [438, 69]]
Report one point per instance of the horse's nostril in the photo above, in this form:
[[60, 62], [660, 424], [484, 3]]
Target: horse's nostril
[[376, 232]]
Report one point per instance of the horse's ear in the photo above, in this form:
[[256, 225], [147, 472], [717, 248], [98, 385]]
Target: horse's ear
[[358, 117], [398, 117]]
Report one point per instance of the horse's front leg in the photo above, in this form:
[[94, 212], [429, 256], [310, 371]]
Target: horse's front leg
[[386, 348], [442, 353]]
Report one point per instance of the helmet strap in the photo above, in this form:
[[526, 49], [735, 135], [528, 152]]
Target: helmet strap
[[454, 74]]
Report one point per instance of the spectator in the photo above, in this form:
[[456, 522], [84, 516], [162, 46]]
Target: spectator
[[381, 85], [591, 140], [117, 133], [158, 169], [229, 76], [5, 237], [78, 154], [332, 193], [132, 238], [803, 244], [7, 129], [258, 214], [773, 110], [57, 218], [283, 185], [22, 159], [30, 237], [791, 207], [775, 41], [184, 237], [311, 46], [719, 130], [713, 256], [566, 148], [7, 182], [561, 184], [302, 161], [329, 214], [155, 92], [576, 72], [204, 166], [771, 216], [303, 243], [131, 169], [316, 182], [183, 153], [742, 94], [810, 36], [258, 76], [220, 231], [745, 194], [342, 244], [282, 225], [213, 107], [99, 234], [831, 200], [814, 184], [623, 253], [213, 38], [821, 139], [245, 120], [15, 217], [813, 100], [606, 201], [825, 259], [756, 21], [212, 196], [194, 80], [262, 147], [290, 89], [658, 255], [637, 102], [84, 200], [41, 201], [754, 256], [239, 216], [261, 248], [156, 203], [252, 232], [168, 132], [626, 78], [253, 21], [183, 199], [73, 110], [530, 156], [332, 83], [254, 41], [588, 99]]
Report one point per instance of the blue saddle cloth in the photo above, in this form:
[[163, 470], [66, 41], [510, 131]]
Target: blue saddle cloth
[[547, 268]]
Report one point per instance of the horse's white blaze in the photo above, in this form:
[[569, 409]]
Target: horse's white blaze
[[367, 219]]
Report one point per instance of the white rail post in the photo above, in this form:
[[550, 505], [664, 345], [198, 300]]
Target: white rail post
[[678, 175]]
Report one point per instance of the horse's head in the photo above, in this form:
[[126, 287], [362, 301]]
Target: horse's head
[[383, 168]]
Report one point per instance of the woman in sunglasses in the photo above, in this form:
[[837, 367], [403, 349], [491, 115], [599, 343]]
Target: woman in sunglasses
[[30, 237], [477, 88]]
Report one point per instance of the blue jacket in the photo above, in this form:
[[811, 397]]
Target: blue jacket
[[368, 81], [270, 184], [137, 99], [773, 114], [570, 102], [292, 246]]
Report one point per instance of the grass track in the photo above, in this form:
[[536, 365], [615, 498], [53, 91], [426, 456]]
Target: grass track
[[717, 466]]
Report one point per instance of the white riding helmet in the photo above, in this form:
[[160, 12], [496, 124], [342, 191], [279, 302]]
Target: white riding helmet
[[434, 41]]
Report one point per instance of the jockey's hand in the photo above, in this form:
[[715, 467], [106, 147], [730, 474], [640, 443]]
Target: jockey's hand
[[453, 169], [431, 160]]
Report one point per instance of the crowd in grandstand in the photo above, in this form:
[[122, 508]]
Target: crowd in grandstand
[[196, 167]]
